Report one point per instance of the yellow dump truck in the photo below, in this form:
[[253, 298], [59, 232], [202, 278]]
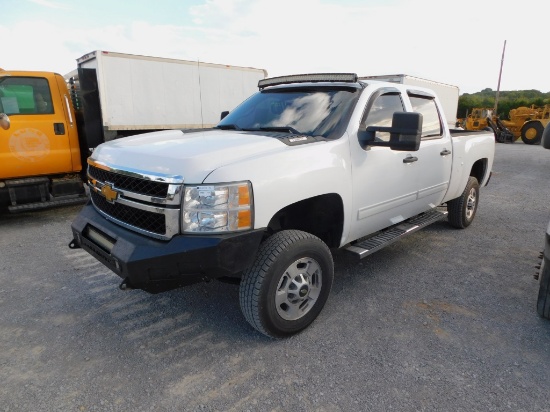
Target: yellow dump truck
[[40, 156]]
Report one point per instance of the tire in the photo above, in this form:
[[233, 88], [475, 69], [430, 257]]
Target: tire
[[462, 210], [287, 285], [543, 301], [531, 132]]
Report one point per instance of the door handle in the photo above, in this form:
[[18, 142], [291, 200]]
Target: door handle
[[59, 128], [445, 152], [410, 159]]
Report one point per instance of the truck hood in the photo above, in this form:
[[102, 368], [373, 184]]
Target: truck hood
[[191, 155]]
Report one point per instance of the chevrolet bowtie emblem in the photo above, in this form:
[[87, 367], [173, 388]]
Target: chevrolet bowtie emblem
[[109, 193]]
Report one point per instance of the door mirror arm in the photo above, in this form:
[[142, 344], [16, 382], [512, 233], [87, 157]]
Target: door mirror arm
[[405, 132]]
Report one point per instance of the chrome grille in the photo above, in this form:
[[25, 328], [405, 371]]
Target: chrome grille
[[133, 184], [145, 203], [142, 219]]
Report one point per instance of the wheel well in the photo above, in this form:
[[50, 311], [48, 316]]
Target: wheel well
[[322, 216], [531, 123], [479, 170]]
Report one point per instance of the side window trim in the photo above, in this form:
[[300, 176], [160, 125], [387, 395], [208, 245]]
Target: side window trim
[[385, 91], [376, 95]]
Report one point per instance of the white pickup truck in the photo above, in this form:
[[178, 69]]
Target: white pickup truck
[[307, 164]]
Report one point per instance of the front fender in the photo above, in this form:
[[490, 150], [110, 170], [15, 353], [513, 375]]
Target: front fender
[[295, 174]]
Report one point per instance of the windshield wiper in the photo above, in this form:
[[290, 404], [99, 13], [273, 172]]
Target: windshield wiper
[[286, 129], [228, 127]]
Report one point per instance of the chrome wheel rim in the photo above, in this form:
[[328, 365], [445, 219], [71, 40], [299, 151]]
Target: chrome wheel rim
[[471, 204], [298, 289]]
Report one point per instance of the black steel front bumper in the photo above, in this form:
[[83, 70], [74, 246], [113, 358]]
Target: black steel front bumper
[[156, 265]]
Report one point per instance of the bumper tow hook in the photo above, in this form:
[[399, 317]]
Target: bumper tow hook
[[125, 285]]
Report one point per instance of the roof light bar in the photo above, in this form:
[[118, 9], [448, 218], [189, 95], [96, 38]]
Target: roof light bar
[[303, 78]]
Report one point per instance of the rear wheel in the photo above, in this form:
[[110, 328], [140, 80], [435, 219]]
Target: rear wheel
[[462, 210], [531, 132], [286, 287]]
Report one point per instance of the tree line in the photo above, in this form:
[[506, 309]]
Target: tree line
[[507, 100]]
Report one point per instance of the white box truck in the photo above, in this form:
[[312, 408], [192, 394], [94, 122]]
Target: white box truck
[[447, 93], [124, 93]]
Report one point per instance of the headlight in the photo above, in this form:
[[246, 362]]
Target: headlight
[[217, 208]]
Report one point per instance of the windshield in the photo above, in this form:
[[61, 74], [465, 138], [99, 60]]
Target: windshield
[[307, 111]]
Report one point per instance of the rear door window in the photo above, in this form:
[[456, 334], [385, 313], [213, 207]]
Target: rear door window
[[431, 121]]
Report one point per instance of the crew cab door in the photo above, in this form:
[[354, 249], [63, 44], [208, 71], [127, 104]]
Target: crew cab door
[[433, 168], [385, 181], [390, 186], [38, 140]]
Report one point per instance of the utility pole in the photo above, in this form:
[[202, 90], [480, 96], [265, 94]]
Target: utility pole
[[499, 76]]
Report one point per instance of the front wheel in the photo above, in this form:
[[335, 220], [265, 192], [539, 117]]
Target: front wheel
[[543, 301], [531, 132], [462, 210], [287, 285]]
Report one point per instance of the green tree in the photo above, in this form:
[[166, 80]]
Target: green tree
[[507, 100]]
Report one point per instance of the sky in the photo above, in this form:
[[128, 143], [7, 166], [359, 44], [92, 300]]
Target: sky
[[454, 42]]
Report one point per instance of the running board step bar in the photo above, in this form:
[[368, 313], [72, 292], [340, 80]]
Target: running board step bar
[[394, 233]]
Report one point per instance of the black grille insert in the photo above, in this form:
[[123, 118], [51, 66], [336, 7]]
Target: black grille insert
[[132, 184], [142, 219]]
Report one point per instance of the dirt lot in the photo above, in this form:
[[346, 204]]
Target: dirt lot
[[442, 320]]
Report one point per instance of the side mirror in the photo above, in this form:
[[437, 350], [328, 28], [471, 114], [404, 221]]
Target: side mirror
[[545, 142], [224, 113], [4, 121], [405, 132]]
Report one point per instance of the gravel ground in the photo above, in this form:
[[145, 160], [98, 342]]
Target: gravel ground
[[442, 320]]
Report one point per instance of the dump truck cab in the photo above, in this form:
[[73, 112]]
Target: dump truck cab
[[39, 147]]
